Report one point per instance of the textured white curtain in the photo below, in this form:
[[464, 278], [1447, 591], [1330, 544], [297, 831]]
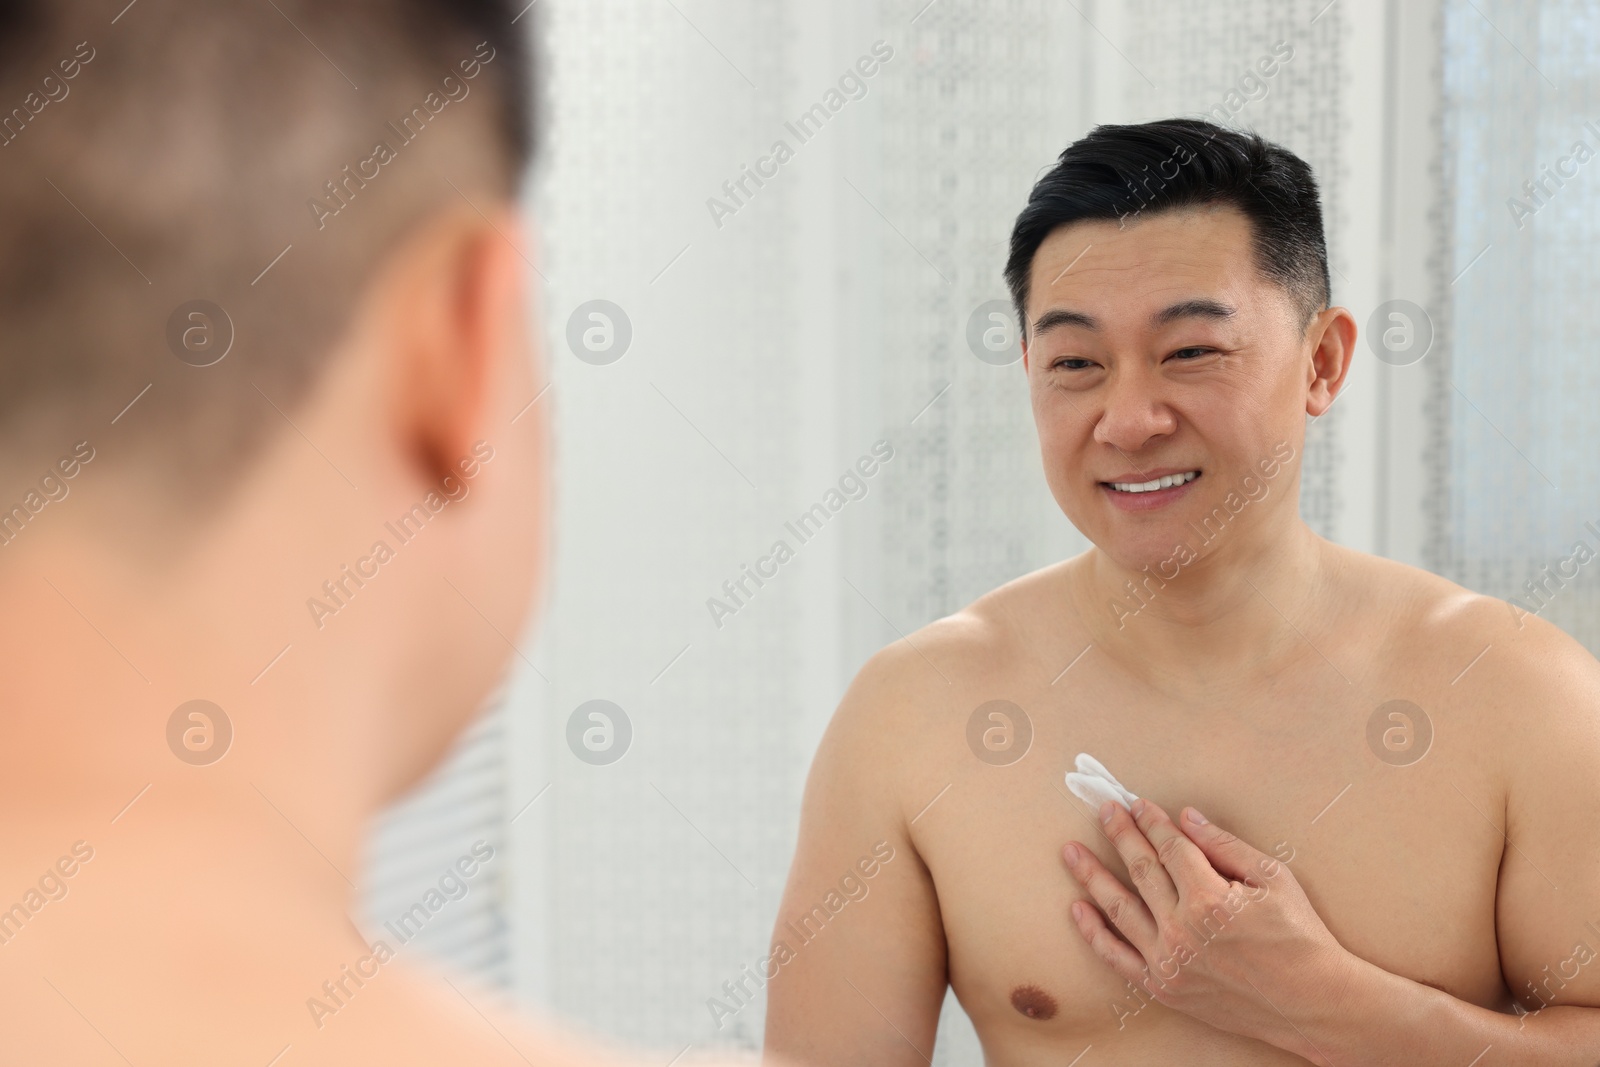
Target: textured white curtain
[[1518, 471]]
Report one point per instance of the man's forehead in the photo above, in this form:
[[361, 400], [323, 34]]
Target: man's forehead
[[1143, 268]]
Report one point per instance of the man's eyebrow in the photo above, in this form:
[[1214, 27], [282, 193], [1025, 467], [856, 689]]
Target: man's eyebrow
[[1063, 317], [1184, 309], [1201, 308]]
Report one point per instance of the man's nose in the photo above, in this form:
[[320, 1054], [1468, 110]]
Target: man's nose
[[1134, 410]]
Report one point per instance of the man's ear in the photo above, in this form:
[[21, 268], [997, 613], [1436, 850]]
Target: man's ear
[[1333, 345], [451, 309], [1024, 340]]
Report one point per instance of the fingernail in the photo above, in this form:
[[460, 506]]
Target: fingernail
[[1077, 912], [1138, 808], [1106, 811], [1073, 856], [1196, 818]]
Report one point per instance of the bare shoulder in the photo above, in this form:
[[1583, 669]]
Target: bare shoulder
[[1533, 687], [905, 710], [1513, 672], [957, 657]]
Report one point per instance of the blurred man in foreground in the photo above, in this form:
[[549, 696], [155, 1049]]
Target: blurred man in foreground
[[273, 489]]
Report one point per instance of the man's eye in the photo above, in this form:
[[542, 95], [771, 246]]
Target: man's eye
[[1197, 353], [1071, 363]]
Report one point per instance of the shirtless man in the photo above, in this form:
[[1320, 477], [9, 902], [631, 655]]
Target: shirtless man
[[1440, 859], [194, 498]]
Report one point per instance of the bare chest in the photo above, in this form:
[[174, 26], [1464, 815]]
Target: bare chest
[[1398, 853]]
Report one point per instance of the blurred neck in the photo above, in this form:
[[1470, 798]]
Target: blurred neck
[[100, 650]]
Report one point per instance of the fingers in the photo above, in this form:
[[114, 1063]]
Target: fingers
[[1149, 877], [1104, 942], [1125, 909], [1228, 855], [1184, 862]]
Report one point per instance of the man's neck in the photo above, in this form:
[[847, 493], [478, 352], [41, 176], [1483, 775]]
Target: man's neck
[[1242, 605], [96, 666]]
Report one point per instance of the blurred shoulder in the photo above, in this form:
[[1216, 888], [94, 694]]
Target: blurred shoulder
[[426, 1017]]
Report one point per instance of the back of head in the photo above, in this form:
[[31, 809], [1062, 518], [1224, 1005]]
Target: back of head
[[196, 193], [1124, 172]]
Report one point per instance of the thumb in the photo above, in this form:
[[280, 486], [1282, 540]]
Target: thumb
[[1231, 857]]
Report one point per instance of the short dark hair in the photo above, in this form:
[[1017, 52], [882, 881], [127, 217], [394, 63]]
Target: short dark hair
[[169, 153], [1120, 171]]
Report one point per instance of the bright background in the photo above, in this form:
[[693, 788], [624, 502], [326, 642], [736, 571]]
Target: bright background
[[831, 310]]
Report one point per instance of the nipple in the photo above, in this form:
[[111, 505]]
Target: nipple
[[1033, 1002]]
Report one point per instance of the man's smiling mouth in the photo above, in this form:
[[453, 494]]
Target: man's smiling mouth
[[1165, 481]]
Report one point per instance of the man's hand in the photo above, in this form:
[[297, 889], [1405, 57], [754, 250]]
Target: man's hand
[[1218, 930]]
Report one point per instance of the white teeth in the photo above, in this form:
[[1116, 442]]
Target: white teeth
[[1163, 482]]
